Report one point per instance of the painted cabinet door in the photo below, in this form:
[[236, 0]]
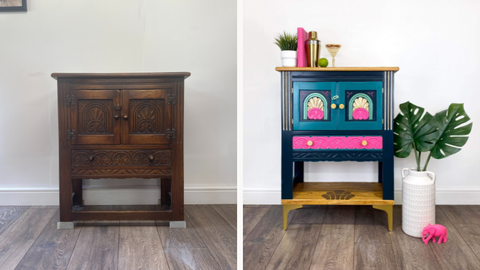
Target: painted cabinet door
[[362, 106], [147, 117], [95, 116], [312, 103]]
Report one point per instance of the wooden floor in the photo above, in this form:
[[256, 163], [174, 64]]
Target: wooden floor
[[356, 237], [29, 239]]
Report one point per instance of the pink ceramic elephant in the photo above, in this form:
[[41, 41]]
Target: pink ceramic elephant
[[433, 231]]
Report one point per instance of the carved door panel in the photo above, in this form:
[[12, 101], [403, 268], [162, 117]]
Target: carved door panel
[[363, 106], [95, 117], [312, 106], [146, 117]]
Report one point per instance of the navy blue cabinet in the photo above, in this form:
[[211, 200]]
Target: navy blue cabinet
[[337, 114]]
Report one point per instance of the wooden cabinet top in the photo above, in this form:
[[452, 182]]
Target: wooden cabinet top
[[394, 69], [122, 75]]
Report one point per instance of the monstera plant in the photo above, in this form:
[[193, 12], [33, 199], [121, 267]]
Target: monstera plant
[[442, 135]]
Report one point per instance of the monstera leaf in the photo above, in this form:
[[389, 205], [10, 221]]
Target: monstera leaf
[[451, 134], [414, 128]]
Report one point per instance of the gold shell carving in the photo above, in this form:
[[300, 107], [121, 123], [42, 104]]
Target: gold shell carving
[[315, 102], [360, 102]]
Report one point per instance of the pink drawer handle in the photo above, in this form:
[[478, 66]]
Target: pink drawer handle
[[338, 142]]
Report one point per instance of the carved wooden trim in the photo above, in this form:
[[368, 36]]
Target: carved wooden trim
[[337, 156], [121, 157], [133, 172]]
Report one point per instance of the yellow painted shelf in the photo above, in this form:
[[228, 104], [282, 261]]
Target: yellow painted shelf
[[338, 193], [395, 69]]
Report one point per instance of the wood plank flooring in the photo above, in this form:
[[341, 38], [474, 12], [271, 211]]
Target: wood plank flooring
[[29, 240], [356, 237]]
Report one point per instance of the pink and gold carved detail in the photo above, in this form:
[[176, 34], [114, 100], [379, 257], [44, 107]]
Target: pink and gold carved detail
[[338, 142], [315, 108], [360, 109]]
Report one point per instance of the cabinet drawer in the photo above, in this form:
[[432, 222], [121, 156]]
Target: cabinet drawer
[[106, 158], [338, 142], [121, 163]]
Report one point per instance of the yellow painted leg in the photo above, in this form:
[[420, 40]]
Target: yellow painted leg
[[389, 210], [286, 209]]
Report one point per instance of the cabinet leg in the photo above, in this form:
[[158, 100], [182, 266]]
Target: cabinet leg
[[165, 190], [287, 208], [78, 190], [380, 172], [389, 210], [299, 174]]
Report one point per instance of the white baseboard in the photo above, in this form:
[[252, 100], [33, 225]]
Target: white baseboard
[[126, 195], [443, 196]]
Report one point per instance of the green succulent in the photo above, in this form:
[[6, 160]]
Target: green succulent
[[442, 135], [286, 42]]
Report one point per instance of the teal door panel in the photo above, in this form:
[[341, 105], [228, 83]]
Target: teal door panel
[[363, 106], [312, 106]]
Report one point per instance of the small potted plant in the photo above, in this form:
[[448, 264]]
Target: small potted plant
[[288, 46], [441, 135]]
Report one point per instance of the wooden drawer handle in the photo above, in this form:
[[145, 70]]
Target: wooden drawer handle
[[125, 117], [116, 116]]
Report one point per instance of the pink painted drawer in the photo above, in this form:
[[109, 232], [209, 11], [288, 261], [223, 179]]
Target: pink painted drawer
[[338, 142]]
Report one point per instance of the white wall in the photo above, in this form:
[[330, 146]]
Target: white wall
[[117, 36], [435, 44]]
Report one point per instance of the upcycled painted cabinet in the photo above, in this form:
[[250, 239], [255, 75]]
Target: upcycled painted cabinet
[[337, 114], [121, 126]]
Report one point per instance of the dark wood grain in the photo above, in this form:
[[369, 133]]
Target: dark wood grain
[[260, 245], [20, 236], [455, 254], [309, 214], [216, 233], [297, 247], [191, 259], [476, 210], [471, 235], [374, 256], [185, 249], [121, 75], [177, 196], [52, 249], [8, 215], [228, 212], [251, 216], [410, 252], [115, 112], [371, 225], [97, 246], [335, 245], [461, 214], [140, 247]]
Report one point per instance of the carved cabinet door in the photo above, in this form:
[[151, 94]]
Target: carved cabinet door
[[95, 116], [146, 117]]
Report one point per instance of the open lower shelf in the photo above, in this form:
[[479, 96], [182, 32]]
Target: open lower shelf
[[338, 193]]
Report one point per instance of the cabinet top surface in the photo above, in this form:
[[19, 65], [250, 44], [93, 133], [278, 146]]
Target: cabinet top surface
[[395, 69], [121, 75]]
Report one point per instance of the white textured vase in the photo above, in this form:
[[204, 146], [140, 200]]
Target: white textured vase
[[289, 58], [418, 203]]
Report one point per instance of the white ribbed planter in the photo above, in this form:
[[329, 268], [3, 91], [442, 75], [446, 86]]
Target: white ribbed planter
[[418, 201], [289, 58]]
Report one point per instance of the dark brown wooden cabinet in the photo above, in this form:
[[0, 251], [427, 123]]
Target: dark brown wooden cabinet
[[121, 126]]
